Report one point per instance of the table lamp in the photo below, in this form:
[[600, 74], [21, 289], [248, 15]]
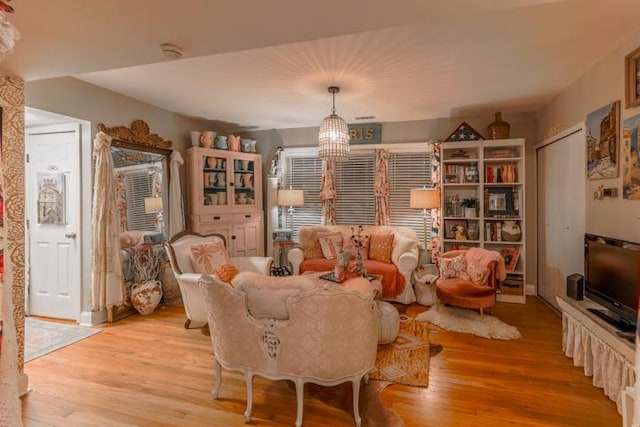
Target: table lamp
[[291, 198], [425, 198], [154, 205]]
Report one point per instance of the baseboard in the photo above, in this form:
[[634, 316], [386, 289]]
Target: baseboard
[[23, 384], [530, 289]]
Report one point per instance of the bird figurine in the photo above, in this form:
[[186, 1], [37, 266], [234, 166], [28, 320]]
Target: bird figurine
[[4, 7]]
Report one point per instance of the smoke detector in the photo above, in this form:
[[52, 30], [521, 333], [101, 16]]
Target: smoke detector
[[171, 51]]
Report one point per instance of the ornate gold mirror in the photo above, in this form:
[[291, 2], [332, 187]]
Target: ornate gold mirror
[[141, 174]]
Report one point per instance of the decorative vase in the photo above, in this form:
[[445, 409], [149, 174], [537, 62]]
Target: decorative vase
[[499, 129], [221, 142], [206, 138], [470, 213], [511, 231], [145, 296], [234, 143], [509, 174]]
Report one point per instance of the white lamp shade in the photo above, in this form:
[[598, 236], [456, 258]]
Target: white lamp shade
[[290, 197], [152, 204], [424, 198], [333, 138]]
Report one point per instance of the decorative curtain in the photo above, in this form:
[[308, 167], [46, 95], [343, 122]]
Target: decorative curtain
[[436, 217], [328, 193], [176, 209], [381, 187], [107, 286], [121, 200]]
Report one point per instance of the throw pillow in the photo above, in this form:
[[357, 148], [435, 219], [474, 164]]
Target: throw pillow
[[226, 272], [452, 267], [380, 246], [331, 243], [477, 273], [206, 257], [309, 243]]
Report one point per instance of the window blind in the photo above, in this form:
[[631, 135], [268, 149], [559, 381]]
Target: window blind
[[303, 173], [355, 202], [137, 187]]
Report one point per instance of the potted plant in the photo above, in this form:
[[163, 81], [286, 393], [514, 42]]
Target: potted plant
[[470, 206]]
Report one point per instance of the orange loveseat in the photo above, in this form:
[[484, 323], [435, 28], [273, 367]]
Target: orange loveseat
[[396, 273]]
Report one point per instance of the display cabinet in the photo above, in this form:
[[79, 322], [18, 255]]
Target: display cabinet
[[483, 204], [225, 197]]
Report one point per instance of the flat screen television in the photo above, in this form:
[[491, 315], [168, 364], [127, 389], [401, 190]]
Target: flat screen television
[[612, 279]]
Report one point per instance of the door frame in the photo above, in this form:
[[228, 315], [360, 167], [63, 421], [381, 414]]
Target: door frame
[[33, 118]]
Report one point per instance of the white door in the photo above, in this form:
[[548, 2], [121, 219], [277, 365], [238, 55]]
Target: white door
[[53, 201], [561, 213]]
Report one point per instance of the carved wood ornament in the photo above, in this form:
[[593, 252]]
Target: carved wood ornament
[[138, 135]]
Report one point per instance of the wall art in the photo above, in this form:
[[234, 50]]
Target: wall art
[[631, 158], [602, 140]]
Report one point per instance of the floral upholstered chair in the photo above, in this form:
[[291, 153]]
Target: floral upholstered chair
[[192, 254], [326, 335]]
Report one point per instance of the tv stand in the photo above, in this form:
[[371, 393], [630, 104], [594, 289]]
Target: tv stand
[[614, 320]]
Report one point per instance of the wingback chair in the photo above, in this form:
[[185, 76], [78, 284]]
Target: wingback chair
[[475, 285], [329, 337], [179, 252]]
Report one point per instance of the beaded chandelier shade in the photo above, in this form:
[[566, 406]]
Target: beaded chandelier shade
[[333, 137]]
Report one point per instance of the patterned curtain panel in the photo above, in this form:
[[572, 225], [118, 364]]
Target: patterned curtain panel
[[328, 193], [121, 200], [436, 217], [176, 208], [381, 187]]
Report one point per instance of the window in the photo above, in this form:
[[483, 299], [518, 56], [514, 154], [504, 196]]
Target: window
[[409, 167]]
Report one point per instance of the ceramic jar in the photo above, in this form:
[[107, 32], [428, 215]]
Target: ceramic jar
[[237, 179], [234, 143], [242, 198], [499, 129], [511, 231], [145, 296], [206, 138], [221, 142], [248, 145], [247, 178]]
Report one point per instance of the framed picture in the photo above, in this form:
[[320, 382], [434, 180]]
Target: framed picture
[[451, 226], [499, 201], [632, 79], [510, 256], [603, 142], [631, 158]]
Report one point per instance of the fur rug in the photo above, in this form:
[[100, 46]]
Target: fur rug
[[470, 322]]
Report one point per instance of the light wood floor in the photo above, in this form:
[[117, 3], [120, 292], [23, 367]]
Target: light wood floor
[[150, 371]]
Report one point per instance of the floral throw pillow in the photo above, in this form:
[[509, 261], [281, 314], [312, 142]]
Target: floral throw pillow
[[331, 243], [206, 257], [452, 267], [380, 246], [477, 273]]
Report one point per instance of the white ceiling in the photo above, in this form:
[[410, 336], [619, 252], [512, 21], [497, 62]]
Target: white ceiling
[[267, 64]]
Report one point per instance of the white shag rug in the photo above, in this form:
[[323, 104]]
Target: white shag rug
[[470, 322]]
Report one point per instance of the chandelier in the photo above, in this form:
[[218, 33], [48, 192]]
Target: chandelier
[[333, 137]]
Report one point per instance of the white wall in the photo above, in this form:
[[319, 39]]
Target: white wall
[[604, 83]]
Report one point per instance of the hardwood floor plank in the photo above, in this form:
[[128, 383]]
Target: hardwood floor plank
[[150, 371]]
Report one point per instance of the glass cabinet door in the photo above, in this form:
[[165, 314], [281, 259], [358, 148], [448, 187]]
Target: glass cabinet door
[[244, 193], [214, 174]]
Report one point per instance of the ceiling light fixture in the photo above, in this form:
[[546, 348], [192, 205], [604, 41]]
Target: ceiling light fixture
[[333, 137], [171, 51]]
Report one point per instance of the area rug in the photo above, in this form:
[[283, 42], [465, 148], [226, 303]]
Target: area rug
[[42, 337], [406, 360], [470, 322]]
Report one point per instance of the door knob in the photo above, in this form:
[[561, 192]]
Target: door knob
[[71, 235]]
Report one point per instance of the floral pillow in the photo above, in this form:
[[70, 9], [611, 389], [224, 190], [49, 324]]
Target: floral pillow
[[331, 243], [453, 267], [206, 257], [477, 273], [380, 246]]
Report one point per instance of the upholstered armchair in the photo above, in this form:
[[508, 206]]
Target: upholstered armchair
[[469, 278], [327, 335], [180, 252]]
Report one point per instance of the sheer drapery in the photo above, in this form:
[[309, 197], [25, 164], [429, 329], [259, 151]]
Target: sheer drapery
[[107, 285], [436, 214], [176, 208], [328, 193], [609, 369], [381, 187]]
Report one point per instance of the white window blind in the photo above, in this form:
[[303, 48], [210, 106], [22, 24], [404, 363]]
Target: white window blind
[[303, 173], [407, 171], [137, 187], [355, 202]]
